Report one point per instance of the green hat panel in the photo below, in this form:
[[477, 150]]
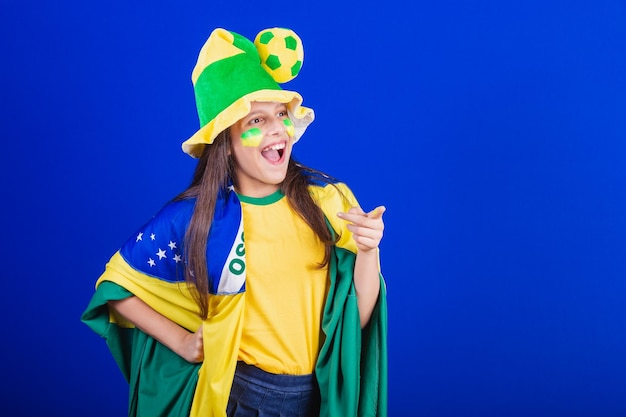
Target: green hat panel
[[226, 81]]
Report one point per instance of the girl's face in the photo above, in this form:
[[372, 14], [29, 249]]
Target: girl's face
[[261, 147]]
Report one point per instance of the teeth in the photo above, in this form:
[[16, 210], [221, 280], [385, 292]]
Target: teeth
[[274, 147]]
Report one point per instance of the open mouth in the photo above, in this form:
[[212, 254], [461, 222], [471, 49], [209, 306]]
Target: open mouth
[[274, 153]]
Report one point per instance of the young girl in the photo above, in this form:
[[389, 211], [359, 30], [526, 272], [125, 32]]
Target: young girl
[[256, 291]]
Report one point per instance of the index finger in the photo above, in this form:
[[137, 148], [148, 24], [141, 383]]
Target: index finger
[[377, 213]]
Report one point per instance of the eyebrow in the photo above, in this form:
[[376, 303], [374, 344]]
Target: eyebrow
[[257, 113]]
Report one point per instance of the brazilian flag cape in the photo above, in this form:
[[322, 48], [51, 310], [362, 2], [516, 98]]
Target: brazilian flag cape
[[352, 365]]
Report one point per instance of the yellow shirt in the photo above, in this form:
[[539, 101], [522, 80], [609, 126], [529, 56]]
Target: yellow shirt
[[285, 290]]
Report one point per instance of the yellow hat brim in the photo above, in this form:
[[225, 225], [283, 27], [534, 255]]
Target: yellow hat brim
[[300, 116]]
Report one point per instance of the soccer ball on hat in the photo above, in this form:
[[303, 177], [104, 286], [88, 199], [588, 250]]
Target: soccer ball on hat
[[281, 53]]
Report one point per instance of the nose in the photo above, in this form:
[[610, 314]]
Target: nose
[[277, 127], [283, 125]]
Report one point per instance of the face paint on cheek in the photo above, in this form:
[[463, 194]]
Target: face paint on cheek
[[252, 137], [291, 130]]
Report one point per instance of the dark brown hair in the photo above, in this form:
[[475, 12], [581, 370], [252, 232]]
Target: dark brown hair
[[214, 172]]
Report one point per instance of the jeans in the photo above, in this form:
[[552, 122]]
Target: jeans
[[256, 393]]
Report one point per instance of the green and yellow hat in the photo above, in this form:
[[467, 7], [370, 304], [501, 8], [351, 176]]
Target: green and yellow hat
[[232, 72]]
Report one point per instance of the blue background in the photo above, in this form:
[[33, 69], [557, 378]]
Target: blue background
[[493, 131]]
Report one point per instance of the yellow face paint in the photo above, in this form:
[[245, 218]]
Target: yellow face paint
[[252, 137], [291, 130]]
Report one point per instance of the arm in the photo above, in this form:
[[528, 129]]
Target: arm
[[185, 344], [367, 232]]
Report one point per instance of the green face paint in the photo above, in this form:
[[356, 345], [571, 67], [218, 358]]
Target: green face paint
[[291, 130], [252, 137]]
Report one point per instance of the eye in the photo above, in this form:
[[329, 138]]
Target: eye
[[254, 121], [282, 113]]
